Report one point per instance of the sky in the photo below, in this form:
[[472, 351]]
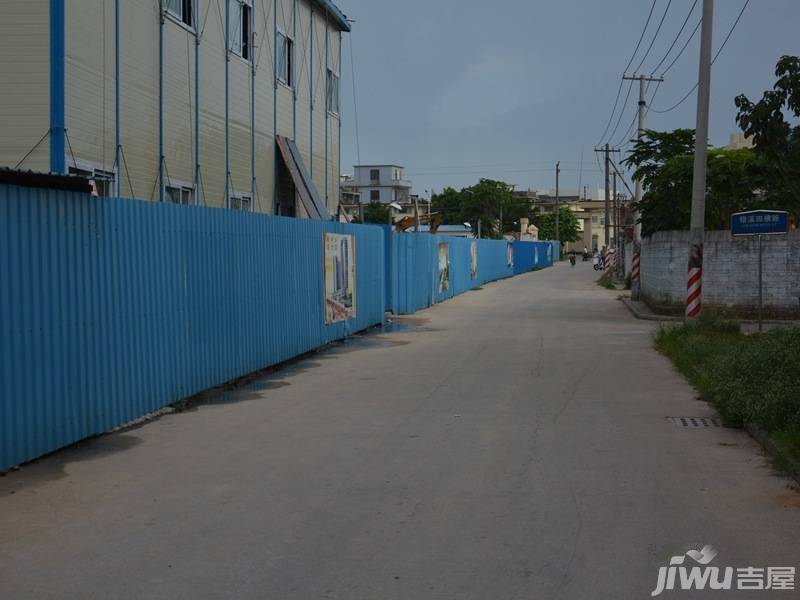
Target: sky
[[456, 90]]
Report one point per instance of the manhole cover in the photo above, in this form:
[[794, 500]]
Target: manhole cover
[[695, 422]]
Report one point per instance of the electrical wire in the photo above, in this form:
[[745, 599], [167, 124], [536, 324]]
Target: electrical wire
[[655, 37], [625, 70], [683, 49], [677, 37], [719, 51], [621, 112]]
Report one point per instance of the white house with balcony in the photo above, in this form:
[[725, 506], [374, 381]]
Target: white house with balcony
[[378, 183]]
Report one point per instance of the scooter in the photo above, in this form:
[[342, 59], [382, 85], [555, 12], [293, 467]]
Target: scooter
[[597, 263], [572, 260]]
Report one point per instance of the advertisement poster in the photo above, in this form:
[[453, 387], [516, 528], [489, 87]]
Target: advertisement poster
[[340, 277], [473, 259], [510, 255], [444, 267]]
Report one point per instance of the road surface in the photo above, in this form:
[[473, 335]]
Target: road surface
[[511, 443]]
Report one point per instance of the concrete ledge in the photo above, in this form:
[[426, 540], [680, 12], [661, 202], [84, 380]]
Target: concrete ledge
[[786, 463], [640, 310]]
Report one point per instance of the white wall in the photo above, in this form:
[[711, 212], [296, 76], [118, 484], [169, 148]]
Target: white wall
[[730, 270]]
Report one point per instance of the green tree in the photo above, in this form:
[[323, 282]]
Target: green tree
[[567, 224], [776, 140], [376, 212], [486, 202], [664, 161]]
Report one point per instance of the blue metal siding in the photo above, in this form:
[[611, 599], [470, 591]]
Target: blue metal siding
[[110, 309], [415, 268]]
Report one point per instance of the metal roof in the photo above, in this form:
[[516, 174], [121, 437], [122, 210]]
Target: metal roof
[[336, 13]]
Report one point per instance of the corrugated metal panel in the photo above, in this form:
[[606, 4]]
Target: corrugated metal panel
[[529, 256], [415, 268], [110, 309]]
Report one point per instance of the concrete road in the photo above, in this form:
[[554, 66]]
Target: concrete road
[[510, 443]]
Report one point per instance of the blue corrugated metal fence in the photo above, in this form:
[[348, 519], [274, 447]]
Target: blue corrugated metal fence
[[110, 309]]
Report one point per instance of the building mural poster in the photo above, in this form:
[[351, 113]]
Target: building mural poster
[[510, 255], [340, 277], [473, 259], [444, 267]]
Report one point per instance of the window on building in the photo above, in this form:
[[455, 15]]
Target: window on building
[[102, 181], [374, 195], [178, 194], [375, 175], [182, 10], [594, 219], [240, 32], [333, 91], [284, 59], [241, 203]]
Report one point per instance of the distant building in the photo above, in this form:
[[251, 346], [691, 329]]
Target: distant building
[[738, 141], [590, 214], [379, 183], [461, 231]]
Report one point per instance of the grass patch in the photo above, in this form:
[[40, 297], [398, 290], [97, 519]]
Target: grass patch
[[747, 378], [607, 282]]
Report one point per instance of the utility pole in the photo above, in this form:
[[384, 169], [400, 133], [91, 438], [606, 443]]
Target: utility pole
[[614, 210], [606, 150], [637, 227], [694, 283], [558, 230], [416, 214]]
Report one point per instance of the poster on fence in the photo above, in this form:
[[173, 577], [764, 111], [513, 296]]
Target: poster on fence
[[340, 277], [510, 255], [444, 267], [473, 260]]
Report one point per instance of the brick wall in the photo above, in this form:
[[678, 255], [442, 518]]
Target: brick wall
[[730, 270]]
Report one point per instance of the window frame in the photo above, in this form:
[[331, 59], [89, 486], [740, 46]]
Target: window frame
[[244, 48], [374, 195], [181, 189], [333, 75], [242, 202], [185, 18], [287, 51]]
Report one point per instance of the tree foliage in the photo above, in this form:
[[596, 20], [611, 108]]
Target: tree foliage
[[765, 177], [664, 162], [776, 140], [489, 201], [376, 212], [567, 224]]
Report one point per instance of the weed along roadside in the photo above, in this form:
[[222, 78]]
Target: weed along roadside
[[751, 380]]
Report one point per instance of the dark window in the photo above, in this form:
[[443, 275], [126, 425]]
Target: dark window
[[374, 174], [375, 196], [183, 10]]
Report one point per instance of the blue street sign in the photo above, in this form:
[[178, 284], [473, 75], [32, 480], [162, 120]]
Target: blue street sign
[[760, 222]]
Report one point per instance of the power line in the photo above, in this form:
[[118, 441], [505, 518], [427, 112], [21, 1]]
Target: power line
[[719, 51], [490, 172], [683, 49], [655, 36], [677, 37], [622, 111], [625, 70], [626, 138]]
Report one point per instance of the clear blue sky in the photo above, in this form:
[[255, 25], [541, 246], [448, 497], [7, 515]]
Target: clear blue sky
[[456, 90]]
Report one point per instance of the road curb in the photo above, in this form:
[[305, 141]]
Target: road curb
[[648, 316], [787, 463]]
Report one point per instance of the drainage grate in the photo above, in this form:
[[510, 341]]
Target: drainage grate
[[695, 422]]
